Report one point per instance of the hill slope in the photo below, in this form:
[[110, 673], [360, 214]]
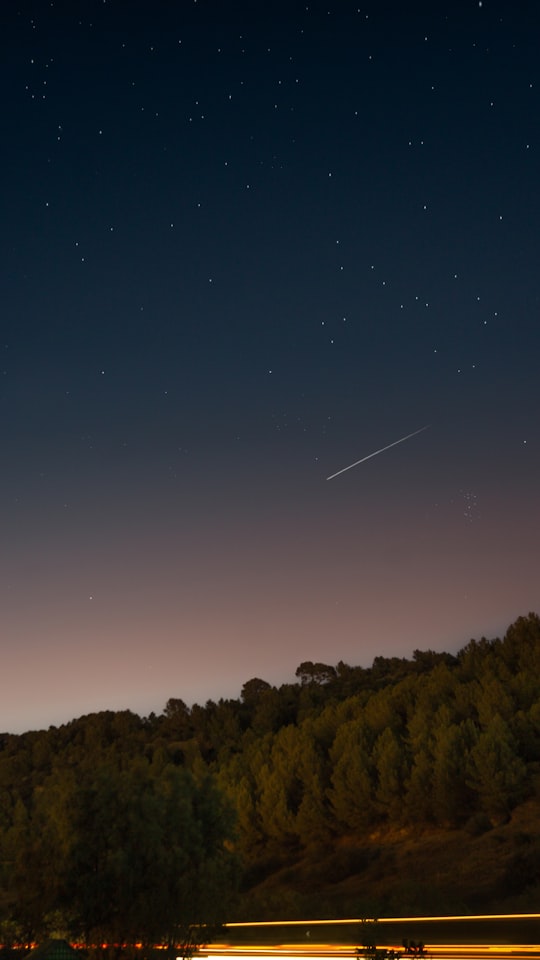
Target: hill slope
[[404, 872]]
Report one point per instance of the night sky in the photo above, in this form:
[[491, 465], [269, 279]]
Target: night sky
[[244, 245]]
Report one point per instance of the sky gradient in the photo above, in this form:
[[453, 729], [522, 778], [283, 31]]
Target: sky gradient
[[244, 246]]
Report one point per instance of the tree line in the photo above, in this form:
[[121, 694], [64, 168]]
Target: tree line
[[121, 829]]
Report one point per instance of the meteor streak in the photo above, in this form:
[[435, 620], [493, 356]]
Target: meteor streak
[[375, 452]]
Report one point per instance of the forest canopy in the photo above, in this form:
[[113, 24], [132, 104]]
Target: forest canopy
[[117, 828]]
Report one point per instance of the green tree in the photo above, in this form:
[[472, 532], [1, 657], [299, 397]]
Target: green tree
[[240, 778], [122, 855], [281, 788], [317, 673], [492, 697], [496, 773], [451, 797], [27, 890], [417, 800], [520, 648], [311, 822], [154, 849], [351, 793], [390, 761], [253, 689], [292, 789], [176, 721]]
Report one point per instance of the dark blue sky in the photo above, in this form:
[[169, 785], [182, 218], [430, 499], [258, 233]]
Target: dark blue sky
[[243, 246]]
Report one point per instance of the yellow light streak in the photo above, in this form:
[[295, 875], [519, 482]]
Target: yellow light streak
[[313, 923]]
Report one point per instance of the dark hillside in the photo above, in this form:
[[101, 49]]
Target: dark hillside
[[431, 871], [409, 786]]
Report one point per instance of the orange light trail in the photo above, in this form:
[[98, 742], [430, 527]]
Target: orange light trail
[[482, 949], [313, 923]]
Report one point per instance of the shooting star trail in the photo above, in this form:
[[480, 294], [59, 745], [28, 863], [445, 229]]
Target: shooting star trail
[[375, 452]]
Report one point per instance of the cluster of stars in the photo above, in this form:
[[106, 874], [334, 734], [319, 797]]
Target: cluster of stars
[[231, 102]]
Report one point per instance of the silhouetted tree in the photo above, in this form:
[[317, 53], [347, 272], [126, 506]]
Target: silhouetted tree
[[319, 673]]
